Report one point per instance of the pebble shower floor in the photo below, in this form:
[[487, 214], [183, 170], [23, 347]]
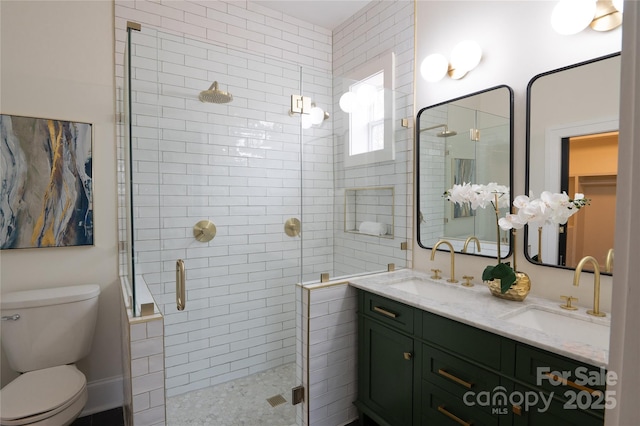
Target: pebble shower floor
[[241, 402]]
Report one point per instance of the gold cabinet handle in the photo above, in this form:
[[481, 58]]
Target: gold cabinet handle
[[385, 312], [455, 379], [517, 410], [407, 356], [180, 281], [453, 416], [571, 384]]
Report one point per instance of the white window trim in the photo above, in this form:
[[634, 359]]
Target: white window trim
[[386, 63]]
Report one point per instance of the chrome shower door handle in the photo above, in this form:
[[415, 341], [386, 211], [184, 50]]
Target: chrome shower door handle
[[180, 282]]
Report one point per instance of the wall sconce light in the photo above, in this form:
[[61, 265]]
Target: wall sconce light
[[311, 116], [364, 96], [572, 16], [465, 56]]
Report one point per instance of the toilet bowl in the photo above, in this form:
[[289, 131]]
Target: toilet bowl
[[51, 397], [44, 332]]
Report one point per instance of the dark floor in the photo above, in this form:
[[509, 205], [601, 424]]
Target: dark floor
[[106, 418]]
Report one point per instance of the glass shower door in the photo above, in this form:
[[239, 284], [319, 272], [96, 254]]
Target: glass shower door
[[218, 168]]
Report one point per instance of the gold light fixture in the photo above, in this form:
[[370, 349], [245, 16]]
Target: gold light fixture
[[465, 56], [572, 16]]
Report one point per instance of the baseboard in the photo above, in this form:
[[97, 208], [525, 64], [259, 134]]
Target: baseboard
[[104, 395]]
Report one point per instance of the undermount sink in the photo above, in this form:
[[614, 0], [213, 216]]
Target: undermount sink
[[425, 288], [567, 327]]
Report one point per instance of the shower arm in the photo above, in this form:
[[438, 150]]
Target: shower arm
[[446, 127]]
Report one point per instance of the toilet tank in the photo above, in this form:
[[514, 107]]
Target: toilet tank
[[55, 326]]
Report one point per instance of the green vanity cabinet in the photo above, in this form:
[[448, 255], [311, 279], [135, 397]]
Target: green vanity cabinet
[[555, 413], [385, 360], [418, 368]]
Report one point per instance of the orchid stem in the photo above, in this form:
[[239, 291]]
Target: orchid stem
[[495, 206], [515, 249], [539, 244]]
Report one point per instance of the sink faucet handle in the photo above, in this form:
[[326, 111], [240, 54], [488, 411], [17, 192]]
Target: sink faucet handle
[[467, 280], [568, 300], [436, 274]]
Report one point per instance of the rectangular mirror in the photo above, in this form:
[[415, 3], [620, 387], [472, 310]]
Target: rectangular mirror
[[464, 140], [572, 146]]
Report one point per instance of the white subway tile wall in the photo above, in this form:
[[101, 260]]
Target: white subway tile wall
[[332, 369], [143, 359], [377, 29], [432, 155]]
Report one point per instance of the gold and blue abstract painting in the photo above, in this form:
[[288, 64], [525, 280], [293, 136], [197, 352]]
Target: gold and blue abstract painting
[[46, 192]]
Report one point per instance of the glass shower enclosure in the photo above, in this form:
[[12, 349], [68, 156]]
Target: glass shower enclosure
[[231, 200]]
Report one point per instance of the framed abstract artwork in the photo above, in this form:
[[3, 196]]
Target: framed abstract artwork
[[46, 196]]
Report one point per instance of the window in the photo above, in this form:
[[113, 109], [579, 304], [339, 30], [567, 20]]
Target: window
[[370, 109]]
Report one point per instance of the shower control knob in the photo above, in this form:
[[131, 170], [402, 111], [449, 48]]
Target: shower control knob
[[204, 231]]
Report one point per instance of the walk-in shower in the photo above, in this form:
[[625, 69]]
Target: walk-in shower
[[270, 196]]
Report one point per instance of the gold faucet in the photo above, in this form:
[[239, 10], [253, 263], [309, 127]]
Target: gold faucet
[[596, 283], [453, 255], [468, 240], [608, 264]]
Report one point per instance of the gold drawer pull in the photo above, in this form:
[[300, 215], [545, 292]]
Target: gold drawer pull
[[453, 416], [407, 356], [572, 384], [385, 312], [517, 410], [455, 379]]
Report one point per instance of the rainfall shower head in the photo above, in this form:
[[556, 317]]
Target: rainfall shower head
[[446, 133], [214, 95]]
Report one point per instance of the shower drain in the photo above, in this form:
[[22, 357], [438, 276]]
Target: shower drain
[[274, 401]]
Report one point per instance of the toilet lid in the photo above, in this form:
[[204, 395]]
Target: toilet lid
[[40, 391]]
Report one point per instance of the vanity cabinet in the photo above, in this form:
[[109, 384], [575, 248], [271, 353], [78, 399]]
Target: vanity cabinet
[[418, 368], [385, 360]]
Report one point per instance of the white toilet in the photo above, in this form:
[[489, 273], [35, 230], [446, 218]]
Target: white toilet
[[44, 332]]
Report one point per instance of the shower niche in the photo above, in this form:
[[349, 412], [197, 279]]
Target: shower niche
[[369, 210]]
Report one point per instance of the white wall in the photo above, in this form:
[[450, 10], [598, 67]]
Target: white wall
[[57, 62], [518, 43]]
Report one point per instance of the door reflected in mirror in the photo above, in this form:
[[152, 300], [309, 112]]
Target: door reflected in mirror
[[572, 146], [465, 140]]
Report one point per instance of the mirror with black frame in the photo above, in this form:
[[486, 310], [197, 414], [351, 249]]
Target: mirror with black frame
[[572, 146], [465, 140]]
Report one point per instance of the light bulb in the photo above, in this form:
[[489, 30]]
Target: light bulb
[[306, 121], [466, 55], [572, 16], [348, 102], [316, 115], [434, 67]]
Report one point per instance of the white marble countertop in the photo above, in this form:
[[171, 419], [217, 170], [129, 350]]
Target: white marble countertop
[[477, 307]]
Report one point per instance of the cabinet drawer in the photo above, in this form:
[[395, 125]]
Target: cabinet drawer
[[533, 367], [455, 375], [553, 412], [443, 409], [470, 342], [390, 312]]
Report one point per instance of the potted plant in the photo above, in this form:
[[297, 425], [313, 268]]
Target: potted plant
[[556, 208]]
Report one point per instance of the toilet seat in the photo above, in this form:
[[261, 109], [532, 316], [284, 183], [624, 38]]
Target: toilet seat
[[37, 397]]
